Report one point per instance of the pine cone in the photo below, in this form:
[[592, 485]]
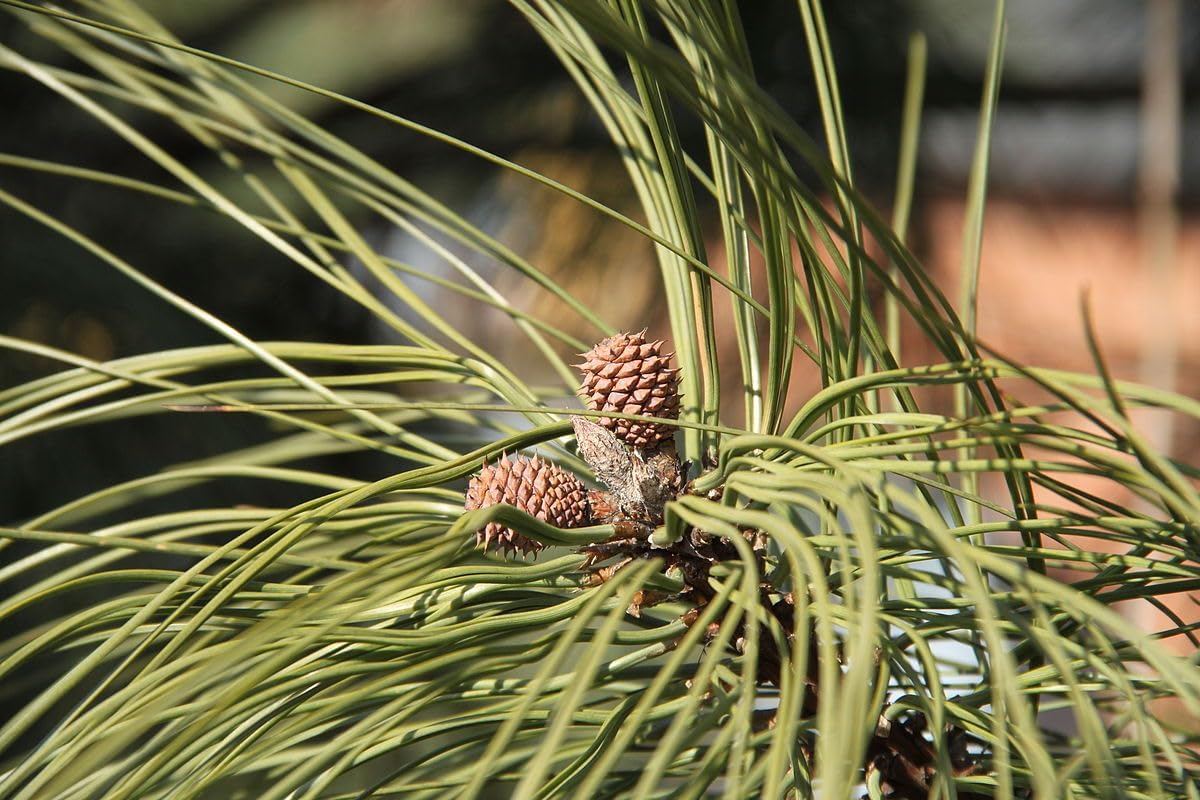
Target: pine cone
[[537, 487], [627, 374]]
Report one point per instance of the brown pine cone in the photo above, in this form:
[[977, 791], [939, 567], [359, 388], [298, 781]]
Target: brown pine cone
[[627, 374], [538, 488]]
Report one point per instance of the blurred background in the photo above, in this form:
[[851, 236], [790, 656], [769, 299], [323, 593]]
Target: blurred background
[[1094, 189]]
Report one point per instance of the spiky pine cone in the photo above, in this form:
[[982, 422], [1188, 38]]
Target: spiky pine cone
[[538, 488], [627, 374]]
